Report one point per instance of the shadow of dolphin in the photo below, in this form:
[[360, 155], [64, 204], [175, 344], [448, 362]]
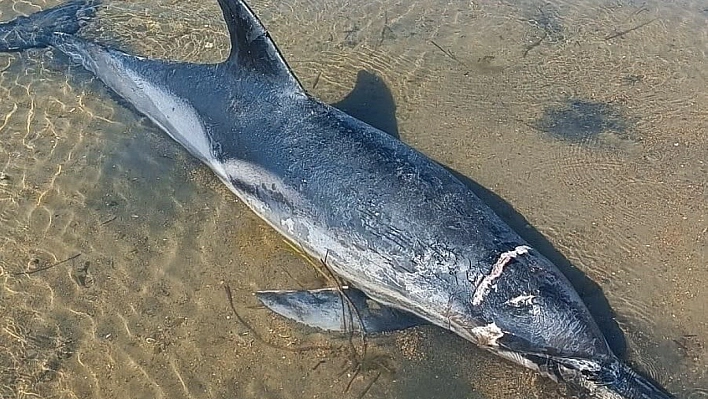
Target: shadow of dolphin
[[371, 101]]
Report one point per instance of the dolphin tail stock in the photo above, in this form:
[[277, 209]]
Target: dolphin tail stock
[[612, 380], [38, 29]]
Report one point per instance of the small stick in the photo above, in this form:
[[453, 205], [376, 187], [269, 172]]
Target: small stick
[[301, 251], [112, 218], [351, 380], [258, 336], [383, 30], [682, 346], [369, 385], [346, 301], [41, 269], [321, 362], [317, 80], [534, 44], [624, 32], [446, 52]]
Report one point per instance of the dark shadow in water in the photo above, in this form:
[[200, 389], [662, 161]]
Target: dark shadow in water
[[372, 102], [371, 110], [582, 121]]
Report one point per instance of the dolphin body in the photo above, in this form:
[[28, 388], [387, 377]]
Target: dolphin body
[[397, 226]]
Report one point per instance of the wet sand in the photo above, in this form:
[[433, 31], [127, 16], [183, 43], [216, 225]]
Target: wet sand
[[582, 125]]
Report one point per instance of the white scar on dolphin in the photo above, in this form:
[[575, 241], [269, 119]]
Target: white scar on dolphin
[[486, 284]]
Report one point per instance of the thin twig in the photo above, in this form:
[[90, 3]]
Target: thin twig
[[446, 52], [112, 218], [383, 30], [346, 300], [534, 44], [319, 363], [41, 269], [317, 80], [682, 346], [328, 275], [301, 251], [369, 385], [351, 380], [258, 336], [624, 32]]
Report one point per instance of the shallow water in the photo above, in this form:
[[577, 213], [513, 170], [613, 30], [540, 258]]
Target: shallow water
[[583, 124]]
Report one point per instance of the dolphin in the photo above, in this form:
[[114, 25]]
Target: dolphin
[[412, 242]]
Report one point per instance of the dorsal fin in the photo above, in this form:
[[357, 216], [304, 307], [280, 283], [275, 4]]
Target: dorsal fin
[[252, 48]]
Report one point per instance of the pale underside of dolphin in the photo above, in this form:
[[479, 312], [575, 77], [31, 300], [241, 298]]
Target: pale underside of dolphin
[[395, 225]]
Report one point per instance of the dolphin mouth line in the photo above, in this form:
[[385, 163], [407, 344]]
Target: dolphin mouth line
[[487, 282]]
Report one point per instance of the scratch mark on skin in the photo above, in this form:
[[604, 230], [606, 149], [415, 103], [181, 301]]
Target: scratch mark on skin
[[521, 300], [289, 225], [485, 285]]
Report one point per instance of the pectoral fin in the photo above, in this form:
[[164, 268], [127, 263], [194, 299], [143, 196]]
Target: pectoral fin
[[328, 309]]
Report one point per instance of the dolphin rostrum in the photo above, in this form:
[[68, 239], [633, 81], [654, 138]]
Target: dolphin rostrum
[[399, 228]]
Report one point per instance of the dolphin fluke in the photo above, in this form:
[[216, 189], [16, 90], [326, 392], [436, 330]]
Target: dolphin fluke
[[36, 30]]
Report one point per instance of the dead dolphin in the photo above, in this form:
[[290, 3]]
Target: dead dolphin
[[395, 225]]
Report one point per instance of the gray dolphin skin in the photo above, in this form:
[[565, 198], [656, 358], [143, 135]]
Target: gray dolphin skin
[[412, 242]]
